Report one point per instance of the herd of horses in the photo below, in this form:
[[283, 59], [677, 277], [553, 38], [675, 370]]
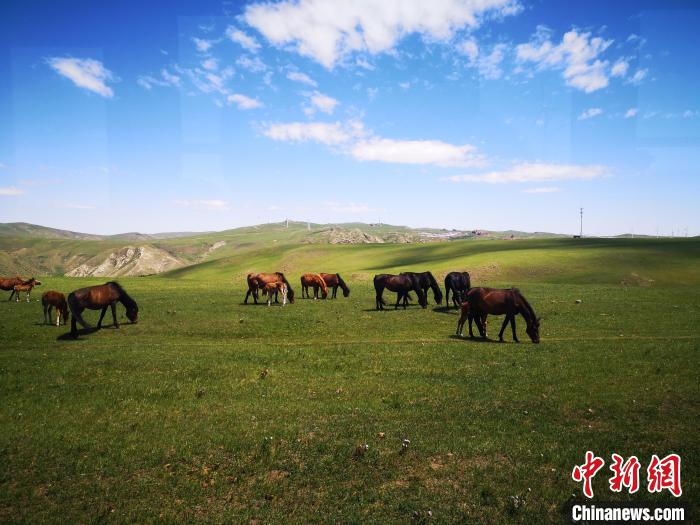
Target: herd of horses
[[475, 303]]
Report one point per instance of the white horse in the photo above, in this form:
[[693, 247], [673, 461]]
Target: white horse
[[271, 289]]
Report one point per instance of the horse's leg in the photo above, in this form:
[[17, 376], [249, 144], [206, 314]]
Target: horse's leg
[[45, 320], [378, 298], [512, 325], [247, 294], [58, 317], [503, 327], [102, 315], [335, 291], [114, 315], [315, 292], [28, 293], [398, 298], [73, 327]]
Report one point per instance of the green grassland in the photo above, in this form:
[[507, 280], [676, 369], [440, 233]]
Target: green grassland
[[209, 410]]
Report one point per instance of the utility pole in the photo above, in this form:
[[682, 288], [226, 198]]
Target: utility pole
[[308, 226], [581, 230], [286, 223]]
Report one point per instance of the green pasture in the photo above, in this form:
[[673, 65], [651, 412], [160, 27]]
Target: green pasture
[[209, 410]]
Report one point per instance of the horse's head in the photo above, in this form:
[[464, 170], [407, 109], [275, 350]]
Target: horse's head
[[533, 330], [34, 282], [346, 292], [132, 314]]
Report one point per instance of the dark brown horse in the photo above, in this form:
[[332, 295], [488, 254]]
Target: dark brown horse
[[509, 302], [334, 280], [25, 286], [315, 281], [100, 297], [57, 300], [426, 280], [257, 281], [402, 285], [459, 283], [8, 284]]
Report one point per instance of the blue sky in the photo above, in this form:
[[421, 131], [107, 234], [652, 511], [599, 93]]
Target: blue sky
[[184, 116]]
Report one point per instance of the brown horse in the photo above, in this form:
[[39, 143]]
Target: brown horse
[[314, 281], [257, 281], [334, 280], [100, 297], [402, 285], [271, 289], [55, 300], [8, 284], [25, 286], [468, 313], [509, 302]]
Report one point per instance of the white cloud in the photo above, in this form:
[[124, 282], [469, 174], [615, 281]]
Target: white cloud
[[245, 40], [470, 49], [577, 55], [211, 64], [488, 65], [251, 64], [329, 30], [631, 112], [372, 93], [330, 134], [349, 207], [212, 205], [638, 76], [688, 113], [244, 102], [590, 113], [296, 76], [322, 102], [428, 152], [202, 45], [534, 172], [546, 189], [166, 79], [10, 191], [620, 68], [85, 73]]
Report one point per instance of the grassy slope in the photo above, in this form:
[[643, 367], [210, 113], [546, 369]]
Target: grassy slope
[[170, 419]]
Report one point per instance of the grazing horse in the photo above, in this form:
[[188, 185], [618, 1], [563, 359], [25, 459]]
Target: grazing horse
[[100, 297], [271, 289], [25, 286], [314, 281], [468, 313], [426, 280], [334, 280], [459, 283], [401, 284], [257, 281], [8, 284], [509, 302], [55, 300]]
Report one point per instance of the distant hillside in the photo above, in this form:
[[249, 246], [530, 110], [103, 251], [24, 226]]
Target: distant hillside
[[31, 249]]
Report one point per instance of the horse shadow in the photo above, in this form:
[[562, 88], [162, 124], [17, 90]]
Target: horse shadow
[[479, 339], [83, 331], [446, 310]]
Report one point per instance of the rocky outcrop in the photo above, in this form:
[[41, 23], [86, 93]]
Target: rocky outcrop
[[129, 261]]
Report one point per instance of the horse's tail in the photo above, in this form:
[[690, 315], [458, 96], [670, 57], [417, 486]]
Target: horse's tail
[[290, 292], [377, 286], [343, 286], [75, 310]]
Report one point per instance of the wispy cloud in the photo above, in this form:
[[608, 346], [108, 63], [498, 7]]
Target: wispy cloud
[[426, 152], [202, 45], [244, 102], [638, 77], [86, 73], [590, 113], [330, 134], [577, 55], [11, 191], [329, 30], [535, 172], [166, 79], [320, 102], [631, 112], [254, 64], [297, 76], [243, 39]]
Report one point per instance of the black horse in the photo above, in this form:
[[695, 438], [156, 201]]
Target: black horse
[[401, 284], [459, 283], [426, 280]]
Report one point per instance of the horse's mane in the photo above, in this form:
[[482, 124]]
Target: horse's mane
[[321, 282], [526, 304], [124, 297], [289, 286], [341, 283], [435, 286]]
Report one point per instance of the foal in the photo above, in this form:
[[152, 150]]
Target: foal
[[271, 290], [56, 300], [25, 286]]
